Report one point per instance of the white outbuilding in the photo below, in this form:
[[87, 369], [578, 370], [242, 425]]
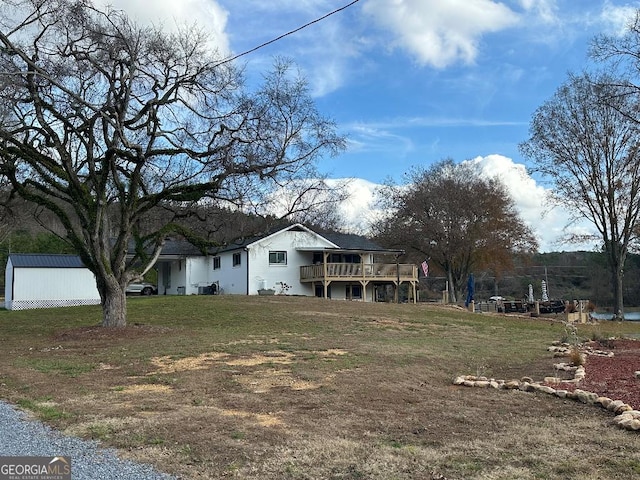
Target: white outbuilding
[[45, 281]]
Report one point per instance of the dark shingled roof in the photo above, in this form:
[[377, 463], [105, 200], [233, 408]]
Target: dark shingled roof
[[344, 241], [177, 247], [45, 260], [244, 241], [349, 241]]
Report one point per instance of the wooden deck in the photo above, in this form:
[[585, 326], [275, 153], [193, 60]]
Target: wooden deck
[[368, 272]]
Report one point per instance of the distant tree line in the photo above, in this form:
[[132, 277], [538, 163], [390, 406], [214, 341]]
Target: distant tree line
[[578, 275]]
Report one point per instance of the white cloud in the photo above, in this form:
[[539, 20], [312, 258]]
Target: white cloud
[[441, 33], [326, 55], [616, 18], [171, 14], [527, 194], [359, 210], [324, 50], [377, 138], [549, 224], [546, 11]]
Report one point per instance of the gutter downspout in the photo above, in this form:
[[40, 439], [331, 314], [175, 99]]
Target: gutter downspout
[[397, 278], [247, 251]]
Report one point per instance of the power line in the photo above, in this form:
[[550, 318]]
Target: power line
[[247, 52]]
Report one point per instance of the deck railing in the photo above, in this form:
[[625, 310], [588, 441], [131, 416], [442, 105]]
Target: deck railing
[[358, 271]]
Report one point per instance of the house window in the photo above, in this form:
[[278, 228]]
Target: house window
[[216, 263], [237, 259], [278, 258], [354, 292], [352, 258]]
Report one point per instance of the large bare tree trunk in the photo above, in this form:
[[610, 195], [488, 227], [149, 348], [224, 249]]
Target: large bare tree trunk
[[618, 293], [617, 257], [114, 303], [453, 294]]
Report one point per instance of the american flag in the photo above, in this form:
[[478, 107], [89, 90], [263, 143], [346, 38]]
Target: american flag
[[425, 268]]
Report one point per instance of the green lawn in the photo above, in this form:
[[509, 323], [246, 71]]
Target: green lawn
[[305, 388]]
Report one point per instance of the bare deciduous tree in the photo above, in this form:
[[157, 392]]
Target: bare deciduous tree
[[457, 218], [103, 121], [586, 142]]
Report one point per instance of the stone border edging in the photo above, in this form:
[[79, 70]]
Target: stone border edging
[[626, 416]]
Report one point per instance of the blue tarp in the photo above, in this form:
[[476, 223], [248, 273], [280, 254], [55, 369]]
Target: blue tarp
[[471, 287]]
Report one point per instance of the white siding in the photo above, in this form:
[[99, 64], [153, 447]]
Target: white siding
[[255, 272], [198, 274], [8, 282], [339, 291], [177, 283], [231, 279], [262, 274], [50, 287]]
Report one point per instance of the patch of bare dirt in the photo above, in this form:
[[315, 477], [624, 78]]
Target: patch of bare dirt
[[167, 364], [98, 332]]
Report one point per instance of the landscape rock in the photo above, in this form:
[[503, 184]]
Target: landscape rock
[[547, 389], [613, 406], [585, 397], [561, 393], [623, 408], [626, 416], [604, 401], [565, 367], [525, 387]]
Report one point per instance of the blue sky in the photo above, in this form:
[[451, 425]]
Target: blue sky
[[414, 81], [410, 82]]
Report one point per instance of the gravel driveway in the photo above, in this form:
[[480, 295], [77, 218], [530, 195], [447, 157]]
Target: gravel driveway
[[20, 436]]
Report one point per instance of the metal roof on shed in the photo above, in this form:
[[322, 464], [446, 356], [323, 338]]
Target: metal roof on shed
[[45, 260]]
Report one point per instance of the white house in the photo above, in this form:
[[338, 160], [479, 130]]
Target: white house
[[44, 281], [293, 260], [297, 261]]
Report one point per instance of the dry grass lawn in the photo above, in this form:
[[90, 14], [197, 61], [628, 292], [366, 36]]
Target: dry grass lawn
[[301, 388]]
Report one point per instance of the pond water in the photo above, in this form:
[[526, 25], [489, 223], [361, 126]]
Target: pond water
[[631, 316]]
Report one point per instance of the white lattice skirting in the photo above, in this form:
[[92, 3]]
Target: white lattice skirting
[[31, 304]]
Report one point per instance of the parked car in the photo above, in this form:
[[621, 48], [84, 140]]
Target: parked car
[[141, 288]]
